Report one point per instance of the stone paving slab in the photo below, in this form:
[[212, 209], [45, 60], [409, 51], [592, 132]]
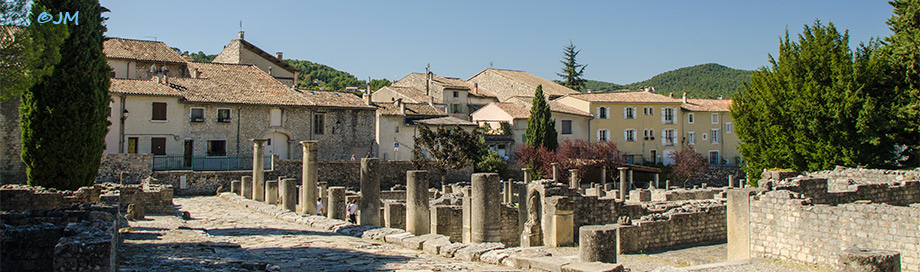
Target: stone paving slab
[[592, 267], [472, 253]]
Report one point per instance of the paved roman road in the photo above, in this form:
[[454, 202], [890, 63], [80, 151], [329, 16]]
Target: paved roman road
[[223, 236]]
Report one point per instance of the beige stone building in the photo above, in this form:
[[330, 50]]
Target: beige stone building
[[505, 84], [240, 51], [708, 126], [453, 96], [505, 123], [398, 123], [210, 114]]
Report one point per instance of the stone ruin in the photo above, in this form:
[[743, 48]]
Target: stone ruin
[[873, 213], [46, 229]]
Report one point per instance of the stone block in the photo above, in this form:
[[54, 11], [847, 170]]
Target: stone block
[[598, 243], [417, 242], [869, 260], [592, 267], [472, 252], [434, 246], [397, 238], [394, 214], [550, 263], [451, 249]]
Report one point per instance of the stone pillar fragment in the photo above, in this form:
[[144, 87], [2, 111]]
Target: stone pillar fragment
[[289, 194], [235, 187], [604, 176], [667, 184], [308, 187], [632, 182], [507, 191], [597, 243], [258, 169], [336, 209], [858, 260], [246, 186], [555, 171], [731, 181], [466, 211], [271, 192], [417, 212], [656, 181], [526, 175], [323, 190], [485, 222], [370, 193], [599, 190], [558, 221], [623, 188], [574, 182]]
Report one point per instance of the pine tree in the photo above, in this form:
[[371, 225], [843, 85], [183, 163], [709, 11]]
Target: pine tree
[[571, 70], [541, 128], [904, 49], [63, 116]]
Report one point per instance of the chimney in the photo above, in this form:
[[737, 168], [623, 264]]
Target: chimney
[[165, 70], [431, 101], [427, 79], [196, 74], [367, 97], [402, 107], [279, 55], [685, 97], [241, 35], [670, 95]]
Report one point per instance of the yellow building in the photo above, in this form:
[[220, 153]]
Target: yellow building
[[709, 129]]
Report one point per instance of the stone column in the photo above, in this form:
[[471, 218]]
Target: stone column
[[667, 184], [508, 193], [599, 190], [246, 186], [623, 188], [526, 175], [336, 208], [631, 181], [417, 213], [289, 194], [258, 169], [731, 181], [604, 176], [466, 212], [597, 243], [656, 181], [308, 187], [574, 182], [235, 187], [485, 222], [555, 171], [323, 189], [370, 193], [271, 192]]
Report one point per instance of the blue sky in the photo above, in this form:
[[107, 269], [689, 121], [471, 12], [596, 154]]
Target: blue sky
[[621, 41]]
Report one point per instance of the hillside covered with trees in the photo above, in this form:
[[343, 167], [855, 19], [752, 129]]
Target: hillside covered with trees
[[709, 80]]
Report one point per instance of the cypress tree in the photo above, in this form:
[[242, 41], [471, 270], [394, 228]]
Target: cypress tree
[[541, 129], [63, 116]]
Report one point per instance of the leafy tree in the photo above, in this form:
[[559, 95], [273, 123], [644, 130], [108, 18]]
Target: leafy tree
[[687, 164], [490, 162], [538, 158], [376, 84], [818, 105], [709, 80], [445, 149], [571, 70], [27, 54], [581, 155], [63, 116], [904, 49], [541, 128]]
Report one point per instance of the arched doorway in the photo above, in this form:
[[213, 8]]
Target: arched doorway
[[277, 145]]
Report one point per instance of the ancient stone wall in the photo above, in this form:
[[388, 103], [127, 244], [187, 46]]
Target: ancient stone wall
[[784, 225], [125, 168], [685, 194], [676, 228], [845, 179], [511, 231], [12, 169], [347, 173]]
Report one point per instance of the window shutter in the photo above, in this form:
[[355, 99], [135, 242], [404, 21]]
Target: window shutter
[[664, 136], [625, 110], [625, 135], [662, 117]]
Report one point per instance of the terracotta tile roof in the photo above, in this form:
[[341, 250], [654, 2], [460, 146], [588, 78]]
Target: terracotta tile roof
[[445, 121], [516, 110], [410, 94], [141, 87], [450, 83], [231, 54], [527, 102], [626, 97], [412, 110], [247, 84], [532, 81], [694, 104], [119, 48]]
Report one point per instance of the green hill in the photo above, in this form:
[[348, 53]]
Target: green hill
[[709, 80], [601, 86]]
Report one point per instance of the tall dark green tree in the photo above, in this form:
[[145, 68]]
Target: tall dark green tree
[[541, 128], [904, 49], [819, 104], [572, 71], [63, 116]]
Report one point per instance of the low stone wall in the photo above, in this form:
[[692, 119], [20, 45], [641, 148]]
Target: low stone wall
[[511, 232], [201, 182], [24, 197], [685, 194], [676, 228], [785, 226], [125, 168], [78, 238], [845, 179]]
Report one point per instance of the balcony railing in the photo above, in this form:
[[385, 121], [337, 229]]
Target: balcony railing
[[222, 163]]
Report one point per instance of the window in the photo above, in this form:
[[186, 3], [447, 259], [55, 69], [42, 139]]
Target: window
[[629, 135], [705, 136], [223, 115], [654, 154], [319, 122], [667, 115], [714, 136], [602, 112], [603, 135], [275, 117], [690, 118], [715, 118], [644, 110], [668, 136], [651, 111], [691, 138], [566, 127], [217, 148], [397, 128], [456, 108], [651, 134], [729, 128], [132, 145], [714, 158], [197, 115], [629, 112], [159, 111], [158, 146], [456, 94]]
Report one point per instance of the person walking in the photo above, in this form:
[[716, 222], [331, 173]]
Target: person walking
[[352, 210], [319, 206]]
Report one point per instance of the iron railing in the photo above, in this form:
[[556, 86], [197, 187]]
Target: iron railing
[[222, 163]]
